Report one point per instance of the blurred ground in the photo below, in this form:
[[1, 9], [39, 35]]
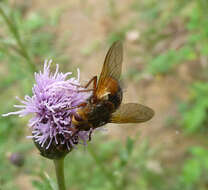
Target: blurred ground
[[90, 22]]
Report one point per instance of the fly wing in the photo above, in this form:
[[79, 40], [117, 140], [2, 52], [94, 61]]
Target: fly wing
[[112, 66], [132, 113]]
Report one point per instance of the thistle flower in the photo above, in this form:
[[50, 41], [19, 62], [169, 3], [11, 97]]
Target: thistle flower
[[51, 123]]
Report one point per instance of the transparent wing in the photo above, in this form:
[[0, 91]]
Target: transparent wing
[[132, 113], [112, 66]]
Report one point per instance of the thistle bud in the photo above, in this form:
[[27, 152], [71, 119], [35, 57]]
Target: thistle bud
[[16, 159]]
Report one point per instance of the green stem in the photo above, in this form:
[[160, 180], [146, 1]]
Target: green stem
[[59, 166], [99, 163], [14, 30]]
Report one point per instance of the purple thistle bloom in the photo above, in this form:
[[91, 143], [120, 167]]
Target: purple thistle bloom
[[51, 124]]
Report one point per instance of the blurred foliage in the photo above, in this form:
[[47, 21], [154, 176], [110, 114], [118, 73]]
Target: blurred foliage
[[163, 24], [112, 165], [194, 172], [164, 63], [194, 111], [27, 38]]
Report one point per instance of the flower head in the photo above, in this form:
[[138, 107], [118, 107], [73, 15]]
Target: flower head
[[53, 95]]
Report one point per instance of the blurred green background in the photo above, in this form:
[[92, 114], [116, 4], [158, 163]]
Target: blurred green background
[[165, 67]]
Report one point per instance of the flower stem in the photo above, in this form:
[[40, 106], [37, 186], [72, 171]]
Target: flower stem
[[59, 166]]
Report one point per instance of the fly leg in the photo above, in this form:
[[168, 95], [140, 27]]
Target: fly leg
[[90, 135], [94, 80], [78, 106]]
